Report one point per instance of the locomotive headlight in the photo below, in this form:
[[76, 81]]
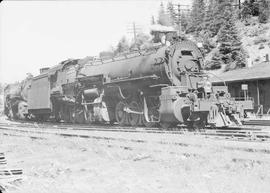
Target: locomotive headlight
[[200, 45], [167, 43]]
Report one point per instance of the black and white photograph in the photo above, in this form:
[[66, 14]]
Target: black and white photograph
[[135, 96]]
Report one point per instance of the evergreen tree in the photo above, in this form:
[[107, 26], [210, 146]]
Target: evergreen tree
[[208, 24], [122, 45], [142, 40], [215, 62], [218, 15], [264, 11], [184, 21], [246, 10], [254, 6], [230, 50], [171, 13], [163, 18], [197, 16]]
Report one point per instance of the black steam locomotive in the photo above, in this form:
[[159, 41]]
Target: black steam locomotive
[[162, 85]]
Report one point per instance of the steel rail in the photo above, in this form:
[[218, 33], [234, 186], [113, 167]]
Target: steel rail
[[236, 133]]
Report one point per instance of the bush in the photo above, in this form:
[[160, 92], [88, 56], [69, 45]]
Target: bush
[[215, 63], [212, 65], [261, 47], [263, 17]]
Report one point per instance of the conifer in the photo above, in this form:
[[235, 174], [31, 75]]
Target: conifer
[[219, 7], [197, 16], [209, 19], [122, 45], [230, 50], [163, 17], [264, 11], [246, 10], [171, 13], [184, 21]]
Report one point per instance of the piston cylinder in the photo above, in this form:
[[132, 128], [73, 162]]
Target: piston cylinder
[[173, 108]]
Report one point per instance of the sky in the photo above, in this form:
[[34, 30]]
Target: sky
[[37, 34]]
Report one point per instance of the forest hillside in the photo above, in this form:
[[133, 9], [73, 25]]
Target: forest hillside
[[233, 36]]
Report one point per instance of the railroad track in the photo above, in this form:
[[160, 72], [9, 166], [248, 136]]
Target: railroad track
[[243, 133], [261, 122]]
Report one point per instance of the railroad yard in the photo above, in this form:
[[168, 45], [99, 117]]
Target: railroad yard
[[159, 97], [65, 158]]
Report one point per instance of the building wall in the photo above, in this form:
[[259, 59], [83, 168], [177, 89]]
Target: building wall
[[265, 94], [263, 87]]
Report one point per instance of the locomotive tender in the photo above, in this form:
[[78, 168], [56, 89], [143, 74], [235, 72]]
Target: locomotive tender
[[163, 85]]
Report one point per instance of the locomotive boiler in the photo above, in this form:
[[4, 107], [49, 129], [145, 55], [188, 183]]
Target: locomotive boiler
[[147, 87], [162, 85]]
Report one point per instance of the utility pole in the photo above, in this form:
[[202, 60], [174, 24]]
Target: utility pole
[[237, 3], [134, 32], [134, 29], [179, 9]]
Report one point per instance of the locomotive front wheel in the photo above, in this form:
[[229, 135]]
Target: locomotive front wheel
[[148, 124], [133, 118], [79, 116], [65, 114], [120, 114], [10, 114], [199, 125]]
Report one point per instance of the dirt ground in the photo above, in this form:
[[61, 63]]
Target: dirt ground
[[118, 162]]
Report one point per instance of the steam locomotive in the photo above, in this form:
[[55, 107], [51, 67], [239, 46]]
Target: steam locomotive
[[162, 85]]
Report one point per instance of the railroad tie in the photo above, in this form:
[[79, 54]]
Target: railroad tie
[[7, 175], [2, 159]]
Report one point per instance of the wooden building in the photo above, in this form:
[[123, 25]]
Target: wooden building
[[249, 82]]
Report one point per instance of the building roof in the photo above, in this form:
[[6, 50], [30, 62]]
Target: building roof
[[260, 71]]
